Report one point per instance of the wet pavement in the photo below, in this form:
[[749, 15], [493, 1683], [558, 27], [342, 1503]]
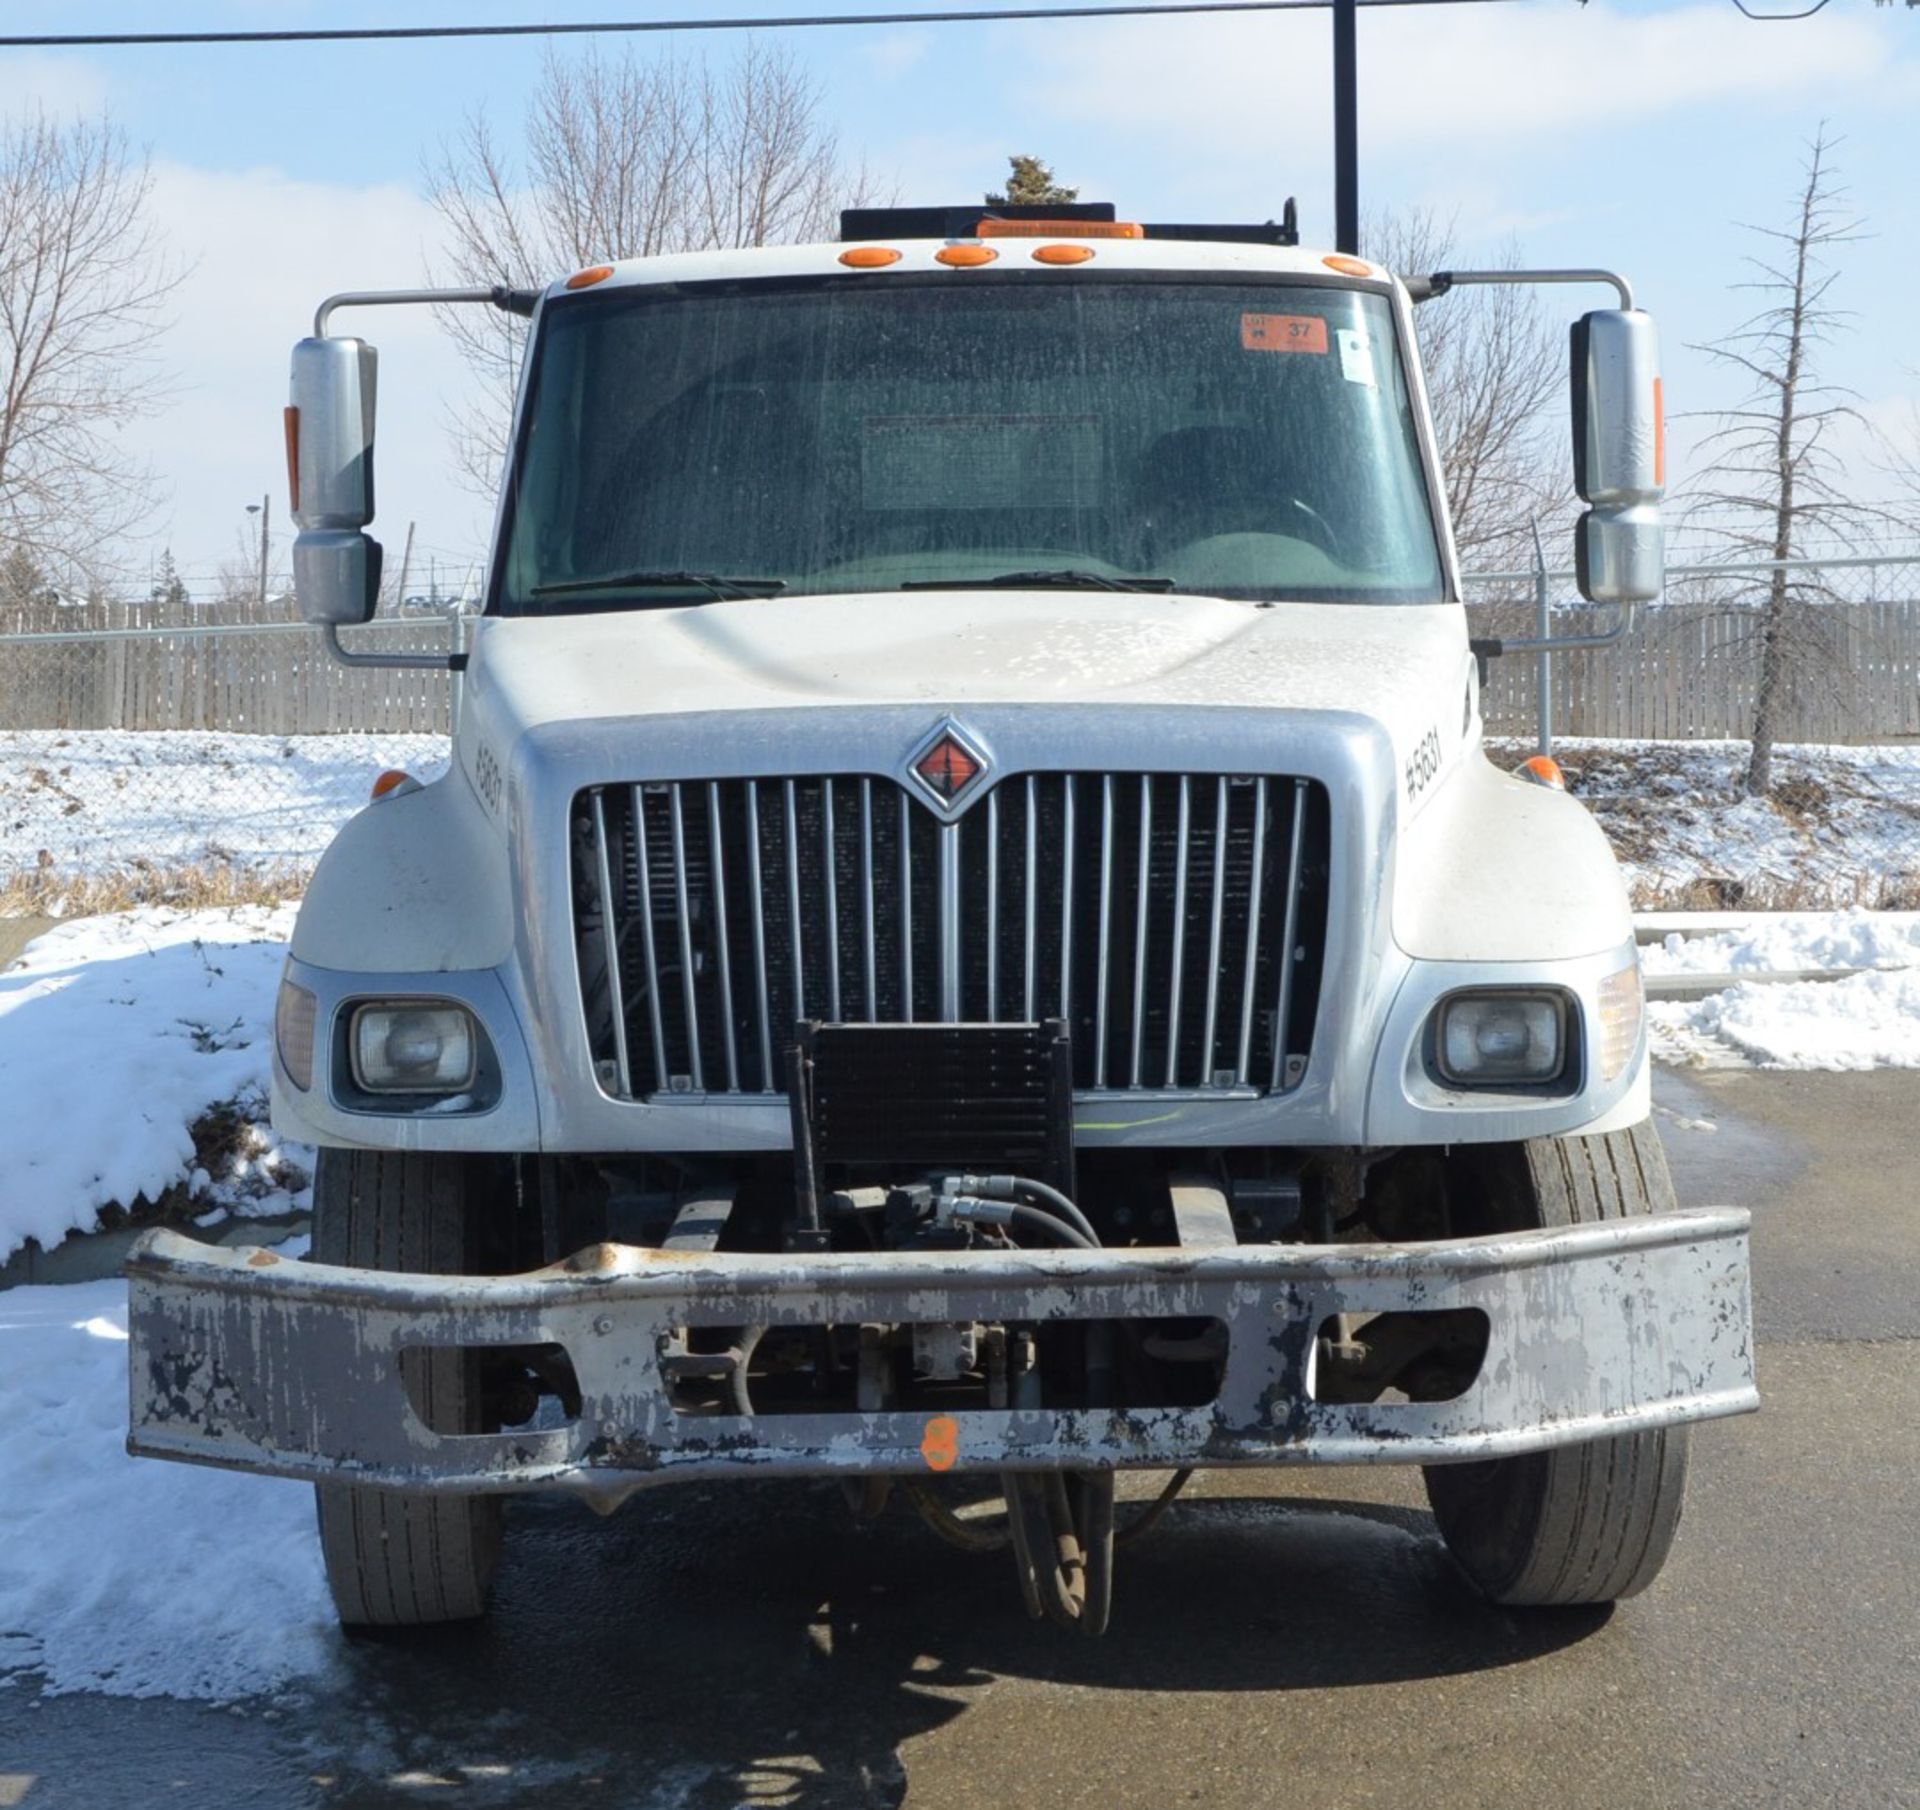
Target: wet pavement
[[1300, 1639]]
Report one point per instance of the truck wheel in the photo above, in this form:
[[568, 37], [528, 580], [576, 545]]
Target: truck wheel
[[398, 1560], [1580, 1523]]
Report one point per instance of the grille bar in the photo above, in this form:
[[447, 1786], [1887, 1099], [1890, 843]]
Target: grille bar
[[1177, 920]]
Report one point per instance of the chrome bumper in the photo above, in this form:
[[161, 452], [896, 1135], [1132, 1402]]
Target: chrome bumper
[[244, 1359]]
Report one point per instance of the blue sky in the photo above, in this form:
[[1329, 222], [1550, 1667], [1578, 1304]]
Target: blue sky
[[1631, 134]]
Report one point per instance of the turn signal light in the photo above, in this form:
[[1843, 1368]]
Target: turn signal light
[[290, 422], [393, 783], [1542, 770], [965, 255], [1060, 229]]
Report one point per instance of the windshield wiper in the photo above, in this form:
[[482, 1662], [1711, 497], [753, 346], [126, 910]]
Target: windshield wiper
[[1065, 578], [710, 582]]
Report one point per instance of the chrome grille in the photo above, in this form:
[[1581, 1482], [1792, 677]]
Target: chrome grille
[[711, 916]]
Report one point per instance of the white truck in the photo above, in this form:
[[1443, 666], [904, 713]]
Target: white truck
[[969, 942]]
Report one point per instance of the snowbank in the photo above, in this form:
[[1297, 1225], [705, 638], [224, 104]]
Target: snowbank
[[117, 1034], [1793, 942], [86, 802], [124, 1575], [1865, 1021]]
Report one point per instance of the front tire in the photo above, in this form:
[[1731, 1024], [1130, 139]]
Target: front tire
[[395, 1559], [1584, 1523]]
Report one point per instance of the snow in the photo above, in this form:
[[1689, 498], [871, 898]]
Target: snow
[[1842, 826], [130, 1576], [117, 1034], [96, 801], [1793, 942], [1866, 1021]]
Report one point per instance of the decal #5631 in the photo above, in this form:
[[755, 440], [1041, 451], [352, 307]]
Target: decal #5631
[[1422, 764]]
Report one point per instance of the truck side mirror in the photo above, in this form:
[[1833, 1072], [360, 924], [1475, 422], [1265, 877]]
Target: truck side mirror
[[330, 414], [1619, 456]]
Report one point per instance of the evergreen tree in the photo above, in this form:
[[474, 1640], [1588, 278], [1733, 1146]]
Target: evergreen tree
[[1031, 185], [169, 588]]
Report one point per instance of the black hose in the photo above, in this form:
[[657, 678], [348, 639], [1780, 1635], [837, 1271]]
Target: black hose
[[1145, 1522], [1036, 1219], [1059, 1203], [742, 1352], [969, 1536]]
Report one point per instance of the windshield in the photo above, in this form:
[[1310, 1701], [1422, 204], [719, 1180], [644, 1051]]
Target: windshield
[[1241, 439]]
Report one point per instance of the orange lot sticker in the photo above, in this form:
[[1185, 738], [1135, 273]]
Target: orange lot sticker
[[940, 1443], [1283, 333]]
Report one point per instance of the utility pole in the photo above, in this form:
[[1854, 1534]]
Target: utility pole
[[1346, 127], [406, 559], [266, 514]]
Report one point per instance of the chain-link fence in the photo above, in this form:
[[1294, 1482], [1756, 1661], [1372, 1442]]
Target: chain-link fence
[[202, 765], [1688, 667]]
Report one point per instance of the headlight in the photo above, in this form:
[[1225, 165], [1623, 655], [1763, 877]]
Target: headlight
[[413, 1049], [293, 1015], [1487, 1039]]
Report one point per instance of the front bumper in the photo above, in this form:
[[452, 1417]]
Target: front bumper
[[244, 1359]]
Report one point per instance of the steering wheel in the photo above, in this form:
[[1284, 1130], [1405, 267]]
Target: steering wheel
[[1319, 531]]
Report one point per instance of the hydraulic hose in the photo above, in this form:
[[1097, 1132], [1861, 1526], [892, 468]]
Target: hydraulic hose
[[1013, 1187]]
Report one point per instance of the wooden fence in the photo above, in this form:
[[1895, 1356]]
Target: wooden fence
[[1682, 671], [269, 681], [1690, 671]]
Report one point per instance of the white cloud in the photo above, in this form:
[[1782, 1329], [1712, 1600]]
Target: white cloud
[[60, 87], [265, 249], [1431, 76]]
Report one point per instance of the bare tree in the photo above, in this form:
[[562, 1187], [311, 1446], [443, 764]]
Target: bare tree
[[1495, 361], [1775, 479], [628, 157], [83, 287]]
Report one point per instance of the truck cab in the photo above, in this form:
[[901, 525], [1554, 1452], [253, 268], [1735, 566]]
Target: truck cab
[[969, 939]]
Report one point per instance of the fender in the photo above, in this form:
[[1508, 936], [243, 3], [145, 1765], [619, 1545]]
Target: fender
[[1495, 869], [419, 884]]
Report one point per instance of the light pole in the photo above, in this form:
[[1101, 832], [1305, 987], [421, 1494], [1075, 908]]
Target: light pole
[[264, 510]]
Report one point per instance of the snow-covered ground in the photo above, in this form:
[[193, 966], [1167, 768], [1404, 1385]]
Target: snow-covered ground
[[118, 1034], [86, 802], [1790, 942], [1842, 826], [1867, 1020], [123, 1575]]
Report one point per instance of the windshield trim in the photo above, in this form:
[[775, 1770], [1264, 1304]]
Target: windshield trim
[[644, 294]]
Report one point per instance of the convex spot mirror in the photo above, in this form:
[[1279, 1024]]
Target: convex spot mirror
[[330, 416], [1619, 456]]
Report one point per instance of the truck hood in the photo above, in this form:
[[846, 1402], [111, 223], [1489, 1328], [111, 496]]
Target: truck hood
[[1408, 668]]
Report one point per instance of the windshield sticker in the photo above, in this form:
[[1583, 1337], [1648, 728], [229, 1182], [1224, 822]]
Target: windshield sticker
[[1283, 333], [1356, 356]]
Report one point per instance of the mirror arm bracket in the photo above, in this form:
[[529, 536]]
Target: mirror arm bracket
[[1425, 289], [1486, 648], [497, 295], [330, 634]]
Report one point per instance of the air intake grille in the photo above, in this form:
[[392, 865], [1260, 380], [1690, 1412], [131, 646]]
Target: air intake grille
[[1150, 911]]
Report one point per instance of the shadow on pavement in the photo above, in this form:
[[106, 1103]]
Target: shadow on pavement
[[713, 1648]]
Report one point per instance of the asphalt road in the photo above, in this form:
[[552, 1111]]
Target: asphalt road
[[1305, 1641]]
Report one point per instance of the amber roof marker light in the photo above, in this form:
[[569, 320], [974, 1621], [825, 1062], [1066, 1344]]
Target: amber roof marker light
[[585, 279], [1062, 254], [870, 257], [965, 257], [1061, 229]]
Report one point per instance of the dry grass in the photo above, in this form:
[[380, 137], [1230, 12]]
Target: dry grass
[[48, 892]]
